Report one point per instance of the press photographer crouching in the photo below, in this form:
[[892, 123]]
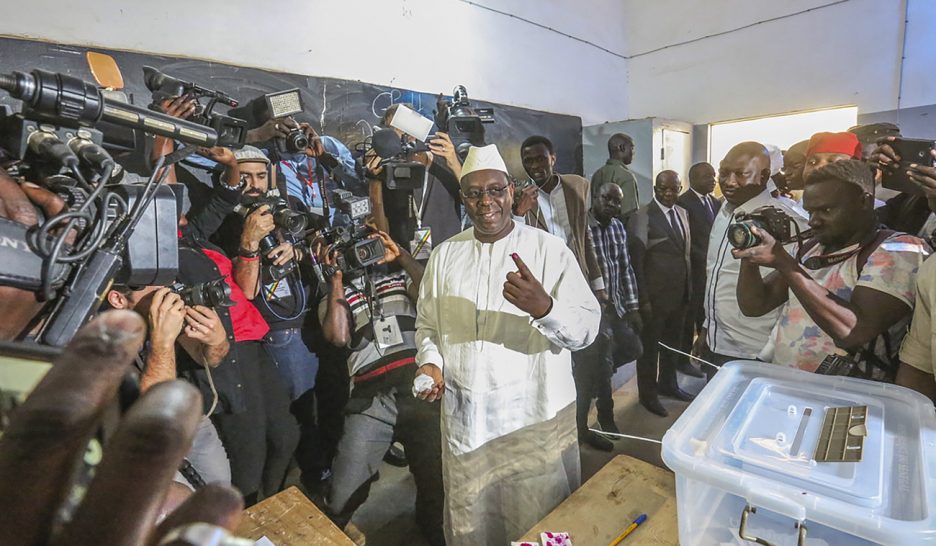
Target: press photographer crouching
[[184, 335], [848, 294], [372, 312]]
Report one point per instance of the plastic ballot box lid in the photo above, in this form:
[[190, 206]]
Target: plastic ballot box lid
[[853, 455]]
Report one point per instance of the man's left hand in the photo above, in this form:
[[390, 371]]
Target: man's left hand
[[203, 324], [282, 253], [315, 148], [391, 249], [769, 253], [220, 154], [525, 291]]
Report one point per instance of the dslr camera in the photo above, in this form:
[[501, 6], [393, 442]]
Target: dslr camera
[[355, 250], [214, 294], [289, 224], [231, 131], [463, 123], [771, 219]]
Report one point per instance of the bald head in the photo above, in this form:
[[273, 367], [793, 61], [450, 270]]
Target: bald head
[[667, 187], [744, 172], [621, 147]]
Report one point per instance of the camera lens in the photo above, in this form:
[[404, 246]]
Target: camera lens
[[296, 141], [292, 221], [741, 236]]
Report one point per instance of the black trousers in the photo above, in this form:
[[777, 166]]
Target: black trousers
[[591, 371], [656, 367], [260, 441]]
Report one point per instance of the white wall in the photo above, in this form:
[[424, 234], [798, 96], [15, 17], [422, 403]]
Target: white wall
[[424, 45], [843, 54]]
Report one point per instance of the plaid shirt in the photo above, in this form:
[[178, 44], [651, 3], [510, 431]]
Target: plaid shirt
[[611, 248]]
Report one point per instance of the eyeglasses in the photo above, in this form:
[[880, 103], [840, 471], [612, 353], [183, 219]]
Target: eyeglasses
[[475, 195]]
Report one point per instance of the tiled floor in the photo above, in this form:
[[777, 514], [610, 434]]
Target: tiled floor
[[386, 519]]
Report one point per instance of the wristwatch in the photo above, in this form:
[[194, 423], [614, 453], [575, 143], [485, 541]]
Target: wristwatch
[[244, 253]]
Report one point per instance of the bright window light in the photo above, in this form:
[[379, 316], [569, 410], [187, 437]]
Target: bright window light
[[782, 131]]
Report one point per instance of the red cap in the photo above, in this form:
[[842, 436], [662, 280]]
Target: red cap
[[834, 143]]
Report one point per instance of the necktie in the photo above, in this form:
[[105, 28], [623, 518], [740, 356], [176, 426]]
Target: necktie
[[710, 208], [676, 226]]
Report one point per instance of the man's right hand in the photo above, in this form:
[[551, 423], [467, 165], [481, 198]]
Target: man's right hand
[[527, 200], [258, 225], [166, 317], [438, 386], [181, 107]]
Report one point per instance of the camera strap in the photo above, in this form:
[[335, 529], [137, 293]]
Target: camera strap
[[863, 251], [420, 211]]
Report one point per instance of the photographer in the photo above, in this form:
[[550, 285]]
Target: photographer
[[435, 206], [373, 314], [200, 333], [850, 284]]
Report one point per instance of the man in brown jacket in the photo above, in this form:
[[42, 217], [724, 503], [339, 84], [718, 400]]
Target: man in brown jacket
[[559, 203]]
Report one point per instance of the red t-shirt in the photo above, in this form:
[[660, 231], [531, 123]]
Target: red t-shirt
[[247, 320]]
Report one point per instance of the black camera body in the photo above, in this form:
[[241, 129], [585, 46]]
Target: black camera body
[[288, 222], [463, 123], [293, 143], [214, 294], [355, 249], [771, 219], [280, 104], [400, 171], [231, 131]]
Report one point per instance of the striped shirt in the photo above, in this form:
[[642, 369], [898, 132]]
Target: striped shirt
[[367, 360], [611, 249]]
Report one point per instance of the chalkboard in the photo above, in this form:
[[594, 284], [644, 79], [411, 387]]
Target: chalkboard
[[340, 108]]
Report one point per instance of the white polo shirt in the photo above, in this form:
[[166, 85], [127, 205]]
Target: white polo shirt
[[729, 332]]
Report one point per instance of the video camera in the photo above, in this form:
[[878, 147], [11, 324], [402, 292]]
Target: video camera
[[289, 223], [54, 142], [773, 220], [214, 294], [463, 124], [400, 172], [355, 249], [231, 131]]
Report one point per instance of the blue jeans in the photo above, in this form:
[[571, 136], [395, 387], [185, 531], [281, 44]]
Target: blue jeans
[[296, 363]]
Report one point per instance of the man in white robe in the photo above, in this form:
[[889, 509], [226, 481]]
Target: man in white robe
[[501, 307]]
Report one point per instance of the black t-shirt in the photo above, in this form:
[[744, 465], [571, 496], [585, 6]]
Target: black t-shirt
[[276, 300]]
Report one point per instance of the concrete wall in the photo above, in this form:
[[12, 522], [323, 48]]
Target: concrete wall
[[847, 52], [424, 45]]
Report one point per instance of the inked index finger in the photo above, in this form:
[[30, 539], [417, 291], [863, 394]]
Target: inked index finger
[[522, 267]]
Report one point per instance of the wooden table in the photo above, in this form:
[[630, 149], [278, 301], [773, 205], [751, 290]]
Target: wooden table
[[290, 519], [602, 508]]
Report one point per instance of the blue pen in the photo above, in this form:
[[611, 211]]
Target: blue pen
[[630, 529]]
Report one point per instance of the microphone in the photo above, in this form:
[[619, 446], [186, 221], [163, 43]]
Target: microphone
[[387, 143]]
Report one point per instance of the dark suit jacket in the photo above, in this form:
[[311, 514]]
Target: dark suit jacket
[[577, 197], [701, 228], [660, 260]]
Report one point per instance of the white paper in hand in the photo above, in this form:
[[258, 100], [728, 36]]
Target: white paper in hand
[[423, 383]]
